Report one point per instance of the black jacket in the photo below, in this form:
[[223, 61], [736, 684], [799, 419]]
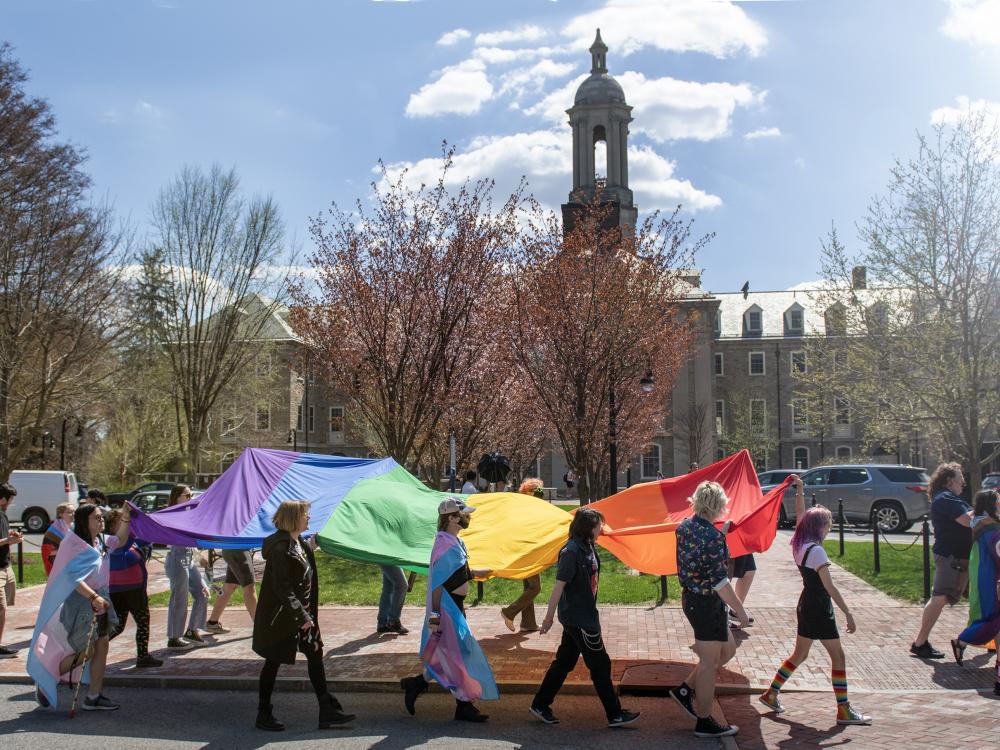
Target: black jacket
[[284, 598]]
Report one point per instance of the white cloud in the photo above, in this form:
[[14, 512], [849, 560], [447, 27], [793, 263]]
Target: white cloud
[[771, 132], [511, 36], [460, 89], [966, 107], [666, 108], [544, 157], [531, 79], [975, 21], [718, 28], [110, 115], [453, 37], [146, 109]]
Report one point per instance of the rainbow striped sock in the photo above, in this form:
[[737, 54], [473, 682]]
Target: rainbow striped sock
[[783, 673], [839, 679]]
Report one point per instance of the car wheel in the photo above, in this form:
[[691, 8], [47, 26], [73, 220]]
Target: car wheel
[[35, 521], [889, 515]]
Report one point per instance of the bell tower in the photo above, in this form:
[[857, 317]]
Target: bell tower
[[600, 114]]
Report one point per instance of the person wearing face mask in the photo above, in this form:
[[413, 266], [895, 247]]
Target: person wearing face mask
[[448, 650], [575, 596]]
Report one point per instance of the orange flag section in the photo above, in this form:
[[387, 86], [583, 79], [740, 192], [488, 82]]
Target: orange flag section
[[642, 519]]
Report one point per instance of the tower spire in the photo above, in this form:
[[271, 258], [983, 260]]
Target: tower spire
[[598, 55]]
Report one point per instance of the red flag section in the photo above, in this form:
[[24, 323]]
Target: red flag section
[[641, 520]]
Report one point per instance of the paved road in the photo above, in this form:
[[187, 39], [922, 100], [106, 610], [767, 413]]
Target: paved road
[[221, 720]]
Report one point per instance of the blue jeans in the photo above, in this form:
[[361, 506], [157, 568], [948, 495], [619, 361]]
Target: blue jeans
[[185, 577], [390, 604]]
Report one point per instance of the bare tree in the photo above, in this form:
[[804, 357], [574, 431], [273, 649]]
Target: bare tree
[[920, 343], [748, 425], [695, 425], [59, 281], [221, 255]]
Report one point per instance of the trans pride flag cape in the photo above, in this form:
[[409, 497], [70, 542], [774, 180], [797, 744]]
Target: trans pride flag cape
[[453, 656], [50, 543], [75, 561], [984, 572]]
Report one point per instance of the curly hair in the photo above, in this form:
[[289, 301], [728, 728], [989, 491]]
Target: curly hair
[[531, 486], [941, 476], [709, 500]]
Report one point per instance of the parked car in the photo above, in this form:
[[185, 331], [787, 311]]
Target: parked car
[[150, 502], [117, 499], [39, 493], [992, 481], [893, 494], [774, 477]]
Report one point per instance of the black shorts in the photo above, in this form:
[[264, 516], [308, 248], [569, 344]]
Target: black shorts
[[707, 615], [742, 565], [815, 617], [239, 567]]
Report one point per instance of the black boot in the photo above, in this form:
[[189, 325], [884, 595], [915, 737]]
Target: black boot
[[330, 712], [412, 688], [466, 711], [266, 720]]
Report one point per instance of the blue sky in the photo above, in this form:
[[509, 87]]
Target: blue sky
[[769, 120]]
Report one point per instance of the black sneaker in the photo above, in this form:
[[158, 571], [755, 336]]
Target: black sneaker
[[958, 650], [412, 688], [684, 697], [42, 700], [100, 703], [397, 627], [624, 718], [925, 651], [179, 644], [148, 661], [7, 653], [709, 727], [545, 714]]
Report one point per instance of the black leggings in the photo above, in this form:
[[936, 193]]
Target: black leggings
[[136, 602], [269, 675]]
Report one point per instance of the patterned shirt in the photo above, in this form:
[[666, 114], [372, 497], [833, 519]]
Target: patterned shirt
[[702, 556]]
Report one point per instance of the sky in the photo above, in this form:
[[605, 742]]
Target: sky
[[769, 121]]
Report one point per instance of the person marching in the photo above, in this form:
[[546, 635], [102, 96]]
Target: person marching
[[182, 567], [702, 562], [57, 530], [575, 594], [984, 577], [239, 573], [816, 621], [287, 618], [128, 580], [524, 605], [448, 649]]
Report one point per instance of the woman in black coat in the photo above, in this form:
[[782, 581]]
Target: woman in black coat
[[287, 616]]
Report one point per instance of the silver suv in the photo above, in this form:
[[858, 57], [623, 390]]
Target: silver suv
[[893, 494]]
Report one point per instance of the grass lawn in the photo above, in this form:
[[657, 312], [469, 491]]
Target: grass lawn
[[347, 582], [902, 575], [34, 573]]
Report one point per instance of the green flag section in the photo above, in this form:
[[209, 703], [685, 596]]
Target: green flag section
[[391, 519]]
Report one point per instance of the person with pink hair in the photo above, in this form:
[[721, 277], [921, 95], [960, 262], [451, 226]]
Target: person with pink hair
[[816, 620]]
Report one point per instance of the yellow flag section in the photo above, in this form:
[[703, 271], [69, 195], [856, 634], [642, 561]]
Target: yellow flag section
[[514, 535]]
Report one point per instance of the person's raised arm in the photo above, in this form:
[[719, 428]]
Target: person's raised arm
[[834, 592], [800, 498]]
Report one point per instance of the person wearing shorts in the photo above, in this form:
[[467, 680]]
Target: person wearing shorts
[[702, 569], [741, 572], [239, 574], [8, 584], [951, 518]]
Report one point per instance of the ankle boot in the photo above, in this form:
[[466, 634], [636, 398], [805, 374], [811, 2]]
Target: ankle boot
[[266, 720], [412, 688], [466, 711], [330, 712]]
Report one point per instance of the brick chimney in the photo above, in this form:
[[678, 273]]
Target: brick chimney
[[859, 277]]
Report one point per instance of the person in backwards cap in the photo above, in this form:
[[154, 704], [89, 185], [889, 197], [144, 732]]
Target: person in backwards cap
[[449, 652]]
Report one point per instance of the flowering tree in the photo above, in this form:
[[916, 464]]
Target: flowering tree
[[404, 323], [593, 311]]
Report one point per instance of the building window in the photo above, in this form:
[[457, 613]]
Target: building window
[[720, 364], [798, 363], [651, 461], [835, 320], [843, 453], [795, 321], [756, 363], [298, 418], [312, 418], [758, 416], [720, 416], [228, 424], [717, 323], [336, 422], [263, 417], [842, 409], [754, 321], [800, 457], [800, 416], [839, 361]]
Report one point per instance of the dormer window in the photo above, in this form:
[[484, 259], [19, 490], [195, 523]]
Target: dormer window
[[794, 319], [753, 321]]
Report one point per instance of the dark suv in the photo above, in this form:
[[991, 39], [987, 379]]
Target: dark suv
[[892, 494], [117, 499]]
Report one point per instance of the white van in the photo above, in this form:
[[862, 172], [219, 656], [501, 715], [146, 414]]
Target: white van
[[39, 493]]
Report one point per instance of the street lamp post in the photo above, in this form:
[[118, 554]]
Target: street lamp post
[[646, 383]]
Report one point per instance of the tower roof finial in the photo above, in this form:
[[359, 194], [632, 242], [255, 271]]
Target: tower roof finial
[[598, 55]]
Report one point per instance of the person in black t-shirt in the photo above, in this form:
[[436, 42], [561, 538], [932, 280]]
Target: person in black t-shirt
[[575, 594], [951, 518]]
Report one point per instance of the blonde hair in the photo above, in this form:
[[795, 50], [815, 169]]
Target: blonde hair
[[529, 485], [63, 507], [289, 515], [709, 500]]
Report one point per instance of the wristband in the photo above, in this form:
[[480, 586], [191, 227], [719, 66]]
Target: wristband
[[94, 596], [435, 616]]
